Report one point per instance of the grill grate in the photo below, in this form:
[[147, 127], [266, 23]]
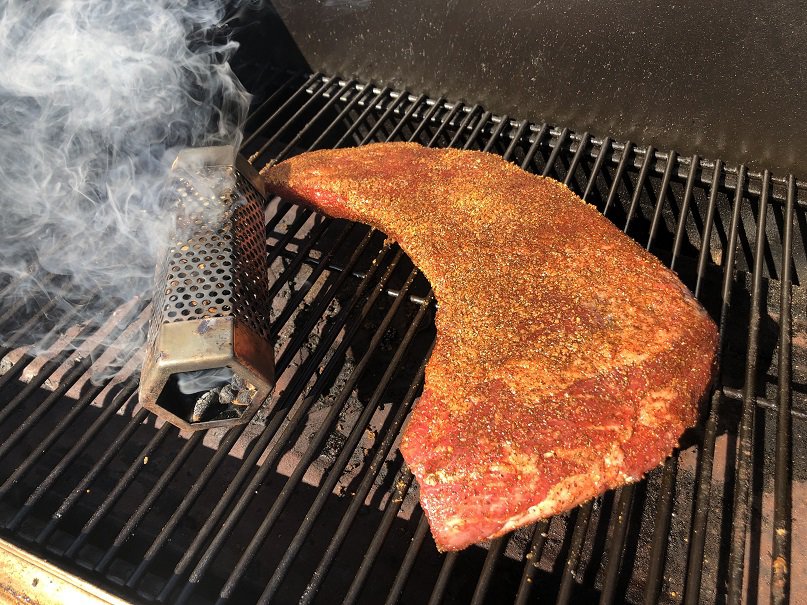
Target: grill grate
[[313, 502]]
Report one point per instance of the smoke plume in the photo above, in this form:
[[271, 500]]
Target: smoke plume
[[203, 380], [96, 99]]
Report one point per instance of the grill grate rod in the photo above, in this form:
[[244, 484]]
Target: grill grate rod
[[293, 229], [531, 560], [343, 116], [291, 268], [670, 469], [697, 540], [359, 140], [374, 104], [663, 518], [67, 381], [288, 397], [495, 551], [421, 531], [782, 530], [448, 119], [113, 496], [402, 483], [291, 350], [517, 137], [52, 436], [21, 301], [328, 485], [495, 134], [618, 175], [322, 111], [662, 192], [464, 123], [319, 267], [616, 547], [338, 467], [477, 130], [640, 183], [553, 157], [223, 449], [582, 146], [442, 580], [122, 398], [406, 118], [310, 453], [279, 111], [269, 101], [45, 372], [44, 345], [302, 109], [745, 437], [707, 227], [342, 461], [534, 146], [596, 170], [570, 569], [32, 322], [367, 482], [128, 529], [683, 213], [111, 451]]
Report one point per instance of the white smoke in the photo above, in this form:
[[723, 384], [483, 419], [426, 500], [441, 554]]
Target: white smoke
[[96, 99], [199, 381]]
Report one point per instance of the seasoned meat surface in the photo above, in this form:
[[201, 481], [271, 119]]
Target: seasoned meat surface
[[568, 360]]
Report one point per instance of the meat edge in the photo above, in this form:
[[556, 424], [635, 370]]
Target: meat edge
[[626, 462]]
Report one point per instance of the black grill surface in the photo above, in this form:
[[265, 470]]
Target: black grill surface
[[311, 500]]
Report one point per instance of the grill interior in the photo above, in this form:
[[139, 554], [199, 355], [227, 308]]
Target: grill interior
[[312, 501]]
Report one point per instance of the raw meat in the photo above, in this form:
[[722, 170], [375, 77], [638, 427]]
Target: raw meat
[[568, 359]]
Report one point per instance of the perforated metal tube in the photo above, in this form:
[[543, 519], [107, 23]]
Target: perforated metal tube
[[210, 310]]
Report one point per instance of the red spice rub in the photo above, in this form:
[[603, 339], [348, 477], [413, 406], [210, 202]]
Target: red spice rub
[[568, 360]]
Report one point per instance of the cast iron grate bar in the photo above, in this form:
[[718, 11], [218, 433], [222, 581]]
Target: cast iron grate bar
[[780, 567], [704, 480], [285, 493], [627, 150], [745, 438], [328, 485]]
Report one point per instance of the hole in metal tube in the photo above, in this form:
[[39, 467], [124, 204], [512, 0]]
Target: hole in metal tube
[[206, 395]]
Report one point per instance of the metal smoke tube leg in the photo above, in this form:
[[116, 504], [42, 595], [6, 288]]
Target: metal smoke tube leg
[[209, 361]]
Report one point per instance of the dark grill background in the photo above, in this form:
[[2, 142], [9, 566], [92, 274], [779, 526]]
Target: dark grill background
[[312, 497]]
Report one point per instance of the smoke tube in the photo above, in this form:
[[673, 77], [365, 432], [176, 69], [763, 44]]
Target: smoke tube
[[209, 361]]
